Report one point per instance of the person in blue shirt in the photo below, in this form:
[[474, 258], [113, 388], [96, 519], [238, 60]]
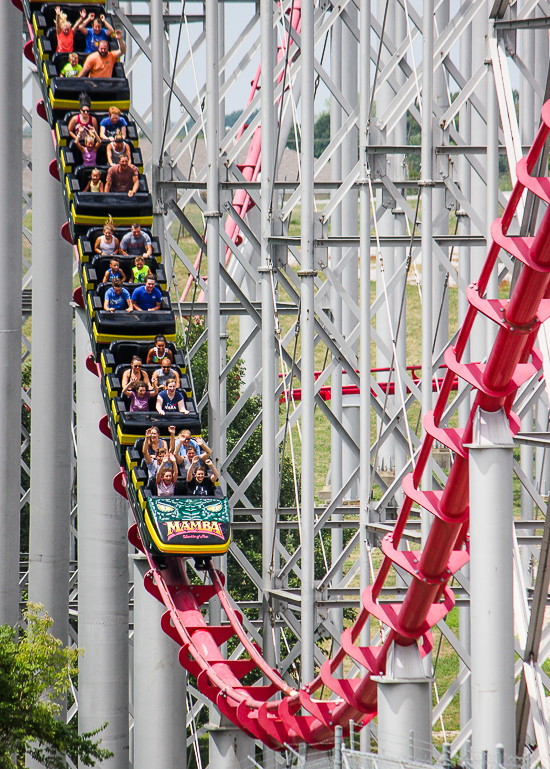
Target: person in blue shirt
[[111, 124], [117, 298], [97, 33], [147, 298], [170, 399]]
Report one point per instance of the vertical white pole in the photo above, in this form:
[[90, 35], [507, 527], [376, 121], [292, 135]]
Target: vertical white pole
[[364, 307], [385, 266], [336, 615], [426, 173], [527, 128], [350, 406], [160, 735], [491, 589], [230, 748], [492, 212], [463, 305], [213, 226], [400, 228], [102, 569], [440, 301], [213, 216], [478, 189], [307, 288], [158, 43], [270, 464], [464, 170], [52, 371], [10, 308], [404, 707]]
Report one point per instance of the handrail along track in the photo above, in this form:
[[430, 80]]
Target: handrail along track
[[512, 361]]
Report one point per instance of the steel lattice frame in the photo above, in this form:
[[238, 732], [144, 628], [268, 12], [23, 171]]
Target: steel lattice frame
[[459, 173]]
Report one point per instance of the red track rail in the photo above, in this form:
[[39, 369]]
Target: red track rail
[[512, 361], [325, 392]]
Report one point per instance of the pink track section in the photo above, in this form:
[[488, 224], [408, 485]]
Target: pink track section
[[325, 392], [512, 361], [253, 163]]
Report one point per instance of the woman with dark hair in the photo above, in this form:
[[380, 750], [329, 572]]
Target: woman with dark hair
[[135, 373], [84, 122], [199, 482], [139, 395]]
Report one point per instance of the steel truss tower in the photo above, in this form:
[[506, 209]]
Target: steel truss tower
[[386, 223]]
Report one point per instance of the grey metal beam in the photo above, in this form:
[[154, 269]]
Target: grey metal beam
[[10, 308], [393, 240], [534, 632], [539, 22], [52, 368], [492, 621], [159, 684], [102, 569]]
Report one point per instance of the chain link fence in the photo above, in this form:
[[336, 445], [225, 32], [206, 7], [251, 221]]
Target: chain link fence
[[342, 757]]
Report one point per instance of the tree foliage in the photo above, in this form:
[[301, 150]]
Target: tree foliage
[[321, 135], [35, 675]]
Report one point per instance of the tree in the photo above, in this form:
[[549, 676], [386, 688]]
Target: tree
[[35, 675], [321, 135]]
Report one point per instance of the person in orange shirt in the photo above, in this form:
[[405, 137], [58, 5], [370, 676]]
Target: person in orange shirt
[[64, 31], [101, 63]]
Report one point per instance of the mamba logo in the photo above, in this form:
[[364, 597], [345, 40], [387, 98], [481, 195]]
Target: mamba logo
[[173, 528]]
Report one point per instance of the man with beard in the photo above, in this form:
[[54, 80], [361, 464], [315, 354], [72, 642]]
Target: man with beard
[[101, 63]]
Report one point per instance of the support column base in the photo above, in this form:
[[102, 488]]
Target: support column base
[[405, 707], [230, 748]]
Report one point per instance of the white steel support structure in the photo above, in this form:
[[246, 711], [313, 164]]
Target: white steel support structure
[[459, 171], [307, 275], [404, 707], [464, 227], [492, 619], [365, 333], [10, 309], [230, 748], [426, 182], [492, 177], [52, 373], [270, 472], [159, 684], [102, 568], [213, 217], [336, 448], [348, 275], [440, 294], [158, 43]]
